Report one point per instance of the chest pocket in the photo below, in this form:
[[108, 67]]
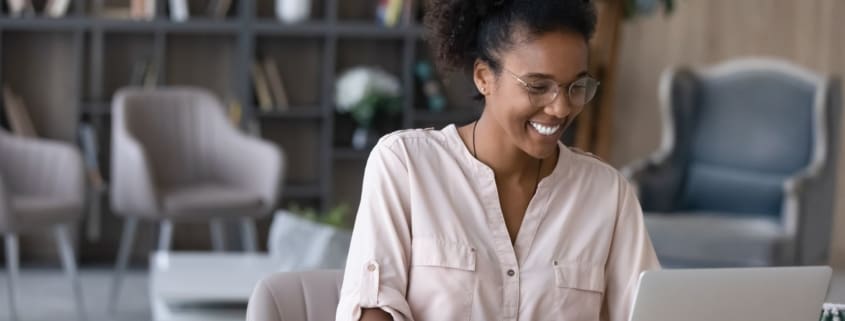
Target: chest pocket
[[580, 290], [442, 279]]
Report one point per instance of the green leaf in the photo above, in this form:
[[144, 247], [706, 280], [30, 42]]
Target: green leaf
[[670, 6]]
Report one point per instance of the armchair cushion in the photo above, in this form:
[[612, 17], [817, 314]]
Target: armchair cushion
[[210, 200], [697, 238], [711, 187], [40, 211]]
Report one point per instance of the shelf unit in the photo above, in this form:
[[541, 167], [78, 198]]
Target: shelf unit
[[88, 58]]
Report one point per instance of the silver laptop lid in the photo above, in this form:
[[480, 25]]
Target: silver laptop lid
[[733, 294]]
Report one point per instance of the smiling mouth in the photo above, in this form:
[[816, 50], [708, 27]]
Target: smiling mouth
[[544, 129]]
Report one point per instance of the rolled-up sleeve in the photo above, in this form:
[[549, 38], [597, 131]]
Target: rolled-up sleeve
[[376, 274], [631, 253]]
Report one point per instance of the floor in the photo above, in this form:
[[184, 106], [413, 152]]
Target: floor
[[45, 295]]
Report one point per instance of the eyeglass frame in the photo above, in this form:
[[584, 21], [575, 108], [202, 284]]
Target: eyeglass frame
[[559, 86]]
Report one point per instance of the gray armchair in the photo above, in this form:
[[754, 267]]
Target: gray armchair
[[745, 173], [176, 158], [296, 296], [41, 187]]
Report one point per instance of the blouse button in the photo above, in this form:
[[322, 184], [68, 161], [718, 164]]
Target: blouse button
[[371, 267], [511, 272]]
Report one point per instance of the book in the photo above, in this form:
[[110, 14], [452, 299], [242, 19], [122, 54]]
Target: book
[[394, 10], [56, 8], [139, 70], [179, 10], [88, 141], [16, 113], [408, 11], [142, 9], [151, 74], [18, 8], [90, 150], [149, 9], [235, 112], [116, 13], [262, 92], [136, 8], [218, 9], [274, 80], [389, 12]]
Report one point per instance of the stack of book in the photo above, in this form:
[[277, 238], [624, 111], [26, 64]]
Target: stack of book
[[23, 8], [269, 87], [217, 9], [137, 10], [391, 12]]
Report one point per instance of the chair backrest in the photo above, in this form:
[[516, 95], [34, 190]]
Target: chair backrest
[[296, 296], [741, 129], [177, 126]]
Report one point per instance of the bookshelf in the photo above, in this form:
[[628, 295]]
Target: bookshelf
[[83, 59]]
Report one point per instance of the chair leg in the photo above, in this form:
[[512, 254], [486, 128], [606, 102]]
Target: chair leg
[[125, 251], [12, 267], [165, 236], [218, 235], [69, 263], [249, 237]]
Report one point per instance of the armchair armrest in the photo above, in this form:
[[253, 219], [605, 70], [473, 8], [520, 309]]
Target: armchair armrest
[[43, 167], [253, 164], [133, 190], [657, 181], [794, 187]]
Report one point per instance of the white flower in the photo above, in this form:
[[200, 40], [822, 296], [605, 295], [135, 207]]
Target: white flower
[[356, 84]]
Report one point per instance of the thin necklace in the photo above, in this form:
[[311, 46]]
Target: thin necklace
[[475, 154]]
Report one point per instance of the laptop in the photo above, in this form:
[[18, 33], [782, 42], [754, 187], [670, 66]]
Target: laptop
[[732, 294]]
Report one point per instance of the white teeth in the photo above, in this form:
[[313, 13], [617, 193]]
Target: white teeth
[[545, 130]]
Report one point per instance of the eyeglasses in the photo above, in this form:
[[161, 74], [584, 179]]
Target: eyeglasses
[[543, 92]]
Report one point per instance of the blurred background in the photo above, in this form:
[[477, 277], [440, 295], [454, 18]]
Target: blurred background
[[159, 157]]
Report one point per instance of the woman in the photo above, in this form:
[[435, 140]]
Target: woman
[[497, 220]]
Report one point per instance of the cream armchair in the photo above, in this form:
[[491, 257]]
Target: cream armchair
[[296, 296], [176, 158], [41, 186]]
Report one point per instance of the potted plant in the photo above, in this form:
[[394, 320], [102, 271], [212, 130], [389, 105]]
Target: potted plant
[[365, 93], [303, 239]]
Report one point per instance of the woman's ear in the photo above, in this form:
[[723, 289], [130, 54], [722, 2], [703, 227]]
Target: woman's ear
[[482, 75]]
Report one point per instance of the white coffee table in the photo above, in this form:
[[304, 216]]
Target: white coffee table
[[205, 286]]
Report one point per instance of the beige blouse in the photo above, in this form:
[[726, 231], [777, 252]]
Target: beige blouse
[[430, 242]]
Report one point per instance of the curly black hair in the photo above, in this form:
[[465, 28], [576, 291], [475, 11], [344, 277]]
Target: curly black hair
[[461, 31]]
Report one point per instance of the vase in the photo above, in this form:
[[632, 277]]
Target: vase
[[293, 11], [363, 138]]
